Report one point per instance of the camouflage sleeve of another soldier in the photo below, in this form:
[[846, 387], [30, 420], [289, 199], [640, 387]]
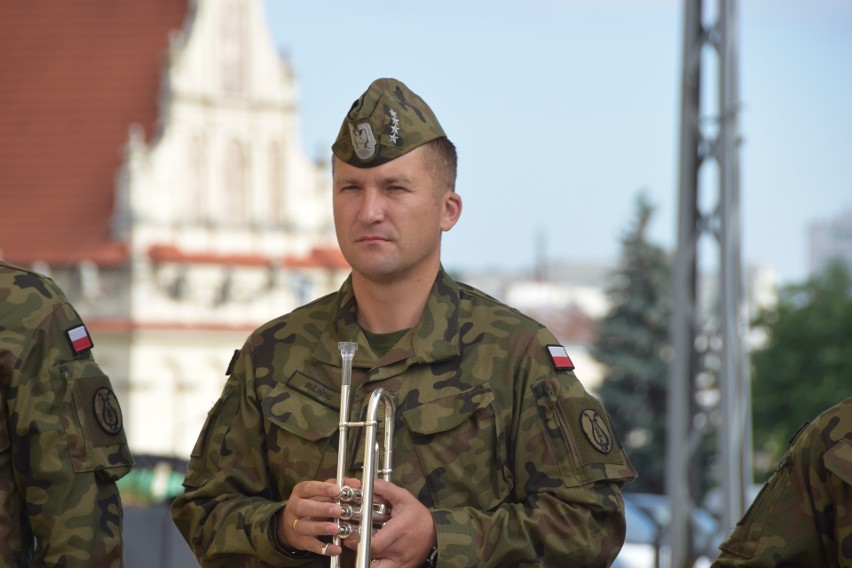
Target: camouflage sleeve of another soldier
[[803, 514], [62, 442]]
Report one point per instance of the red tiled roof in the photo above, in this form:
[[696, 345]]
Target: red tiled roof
[[111, 326], [171, 253], [318, 257], [73, 77]]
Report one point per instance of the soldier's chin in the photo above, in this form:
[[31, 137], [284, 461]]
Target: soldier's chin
[[379, 272]]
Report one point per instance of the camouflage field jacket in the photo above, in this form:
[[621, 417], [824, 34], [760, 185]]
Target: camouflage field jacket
[[62, 442], [518, 464], [802, 516]]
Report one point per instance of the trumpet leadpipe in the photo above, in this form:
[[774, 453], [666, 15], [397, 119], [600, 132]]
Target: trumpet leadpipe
[[358, 505]]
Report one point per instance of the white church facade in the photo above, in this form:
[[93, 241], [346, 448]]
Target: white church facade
[[227, 220], [218, 222]]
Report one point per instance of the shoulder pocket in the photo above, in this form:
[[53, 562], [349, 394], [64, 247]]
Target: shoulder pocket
[[581, 435], [92, 420]]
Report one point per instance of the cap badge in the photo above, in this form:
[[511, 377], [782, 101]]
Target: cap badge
[[363, 140]]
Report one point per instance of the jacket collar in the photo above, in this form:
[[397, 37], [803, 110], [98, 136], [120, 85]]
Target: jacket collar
[[435, 337]]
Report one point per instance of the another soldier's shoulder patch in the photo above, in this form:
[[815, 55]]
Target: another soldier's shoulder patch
[[106, 410], [595, 428], [560, 359], [79, 338], [97, 402]]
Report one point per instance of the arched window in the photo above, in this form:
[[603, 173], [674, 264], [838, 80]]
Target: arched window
[[194, 207], [236, 194], [232, 46], [277, 200]]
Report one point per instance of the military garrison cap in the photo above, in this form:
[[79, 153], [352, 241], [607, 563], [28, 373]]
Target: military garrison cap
[[387, 121]]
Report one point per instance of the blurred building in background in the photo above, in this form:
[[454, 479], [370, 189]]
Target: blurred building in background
[[570, 298], [151, 164], [567, 297]]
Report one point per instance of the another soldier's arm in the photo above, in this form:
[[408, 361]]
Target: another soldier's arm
[[802, 515], [567, 508], [69, 447]]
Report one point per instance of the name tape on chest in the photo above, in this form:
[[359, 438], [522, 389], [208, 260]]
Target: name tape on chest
[[314, 389], [560, 359]]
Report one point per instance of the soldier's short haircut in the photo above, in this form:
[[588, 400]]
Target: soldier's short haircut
[[442, 153]]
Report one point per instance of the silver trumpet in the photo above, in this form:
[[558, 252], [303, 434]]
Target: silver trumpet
[[357, 504]]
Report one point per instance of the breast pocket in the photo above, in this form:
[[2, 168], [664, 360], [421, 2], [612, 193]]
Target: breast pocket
[[299, 432], [460, 444]]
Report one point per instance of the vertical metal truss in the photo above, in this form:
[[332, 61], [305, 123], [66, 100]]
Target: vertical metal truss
[[709, 379]]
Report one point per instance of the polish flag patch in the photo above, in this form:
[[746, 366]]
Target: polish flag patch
[[560, 358], [79, 338]]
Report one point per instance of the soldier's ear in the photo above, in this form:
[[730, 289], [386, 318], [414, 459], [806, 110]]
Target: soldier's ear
[[452, 203]]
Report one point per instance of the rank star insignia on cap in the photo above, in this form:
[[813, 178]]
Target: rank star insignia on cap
[[387, 121], [559, 357], [79, 338]]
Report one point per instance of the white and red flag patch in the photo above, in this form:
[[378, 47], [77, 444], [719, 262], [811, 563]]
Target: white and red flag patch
[[79, 338], [560, 358]]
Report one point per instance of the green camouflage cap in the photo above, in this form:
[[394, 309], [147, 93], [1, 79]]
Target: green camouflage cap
[[387, 121]]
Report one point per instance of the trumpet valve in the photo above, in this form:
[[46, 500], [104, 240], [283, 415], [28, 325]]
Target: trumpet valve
[[381, 514], [349, 494], [344, 530], [348, 512]]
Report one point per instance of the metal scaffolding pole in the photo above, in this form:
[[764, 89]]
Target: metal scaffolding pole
[[708, 384]]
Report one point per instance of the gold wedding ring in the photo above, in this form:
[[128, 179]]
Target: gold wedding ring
[[294, 525], [324, 548]]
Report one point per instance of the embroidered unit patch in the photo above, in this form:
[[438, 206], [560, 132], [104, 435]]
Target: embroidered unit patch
[[106, 410], [596, 431]]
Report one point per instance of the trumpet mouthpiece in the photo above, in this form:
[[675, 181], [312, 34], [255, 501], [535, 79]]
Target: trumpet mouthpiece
[[347, 347]]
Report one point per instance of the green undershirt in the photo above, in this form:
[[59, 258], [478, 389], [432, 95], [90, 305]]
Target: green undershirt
[[381, 343]]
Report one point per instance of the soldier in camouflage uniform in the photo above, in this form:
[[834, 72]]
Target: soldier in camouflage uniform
[[62, 443], [803, 514], [501, 458]]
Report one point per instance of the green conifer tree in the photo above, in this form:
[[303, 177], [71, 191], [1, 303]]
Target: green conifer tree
[[632, 341]]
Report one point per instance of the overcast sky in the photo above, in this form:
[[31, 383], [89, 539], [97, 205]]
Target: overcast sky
[[564, 110]]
